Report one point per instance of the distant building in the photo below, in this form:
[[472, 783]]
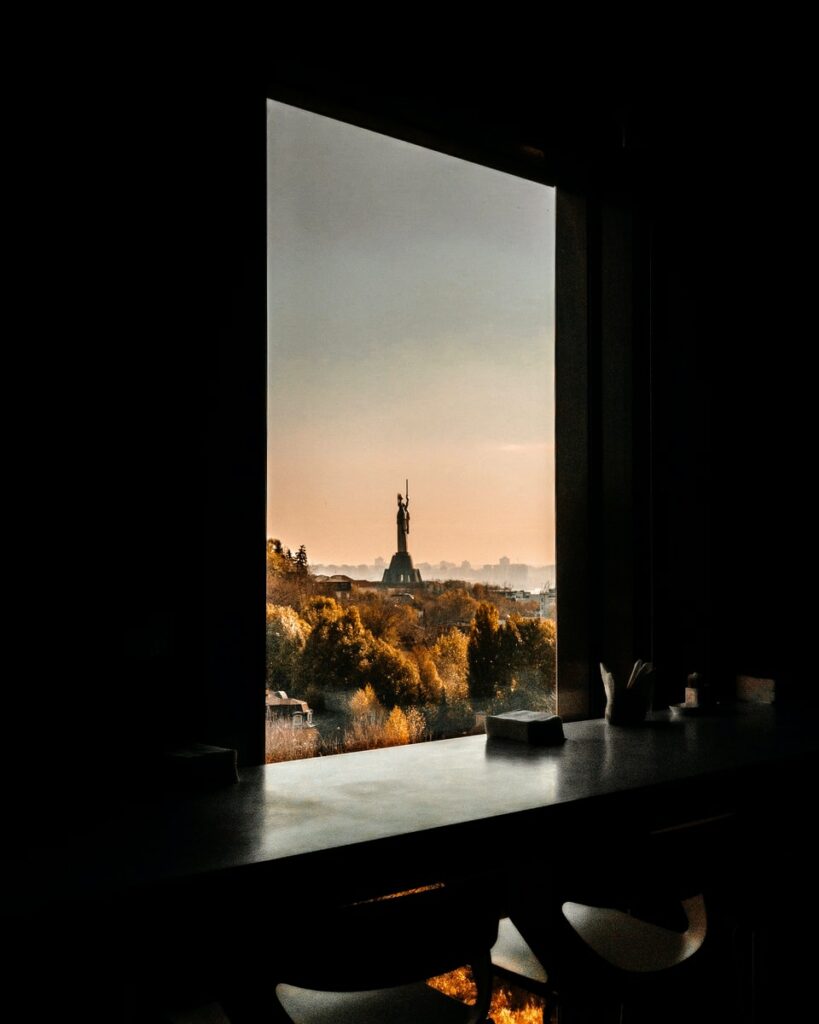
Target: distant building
[[506, 574], [548, 600], [281, 708], [366, 586], [336, 586], [516, 574]]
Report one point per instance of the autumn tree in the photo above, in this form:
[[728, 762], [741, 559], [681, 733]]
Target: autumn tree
[[386, 619], [364, 705], [396, 729], [454, 713], [337, 647], [395, 677], [286, 637], [455, 605], [287, 582], [372, 726], [485, 654], [275, 557], [404, 725], [417, 725], [427, 670], [449, 653], [493, 594], [321, 609], [341, 653], [534, 660]]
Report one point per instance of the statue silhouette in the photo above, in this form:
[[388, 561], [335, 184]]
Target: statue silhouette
[[402, 519], [401, 571]]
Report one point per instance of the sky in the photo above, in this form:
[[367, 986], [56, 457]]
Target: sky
[[411, 335]]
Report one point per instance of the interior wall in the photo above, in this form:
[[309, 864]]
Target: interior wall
[[137, 601], [731, 405]]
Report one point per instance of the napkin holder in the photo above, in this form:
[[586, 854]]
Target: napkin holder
[[538, 728]]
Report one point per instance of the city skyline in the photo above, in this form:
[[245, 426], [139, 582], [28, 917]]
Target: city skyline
[[411, 334], [379, 561], [515, 575]]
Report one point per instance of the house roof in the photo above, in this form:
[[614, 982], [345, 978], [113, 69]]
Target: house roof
[[279, 699]]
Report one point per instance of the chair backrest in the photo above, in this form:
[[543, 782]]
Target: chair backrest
[[389, 941], [637, 946]]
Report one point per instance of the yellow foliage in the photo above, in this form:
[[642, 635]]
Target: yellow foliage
[[365, 704], [396, 729], [416, 724], [509, 1006], [284, 743], [450, 658], [369, 731], [531, 1013], [431, 684], [458, 984]]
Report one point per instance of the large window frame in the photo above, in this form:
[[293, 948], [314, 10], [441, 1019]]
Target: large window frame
[[602, 381]]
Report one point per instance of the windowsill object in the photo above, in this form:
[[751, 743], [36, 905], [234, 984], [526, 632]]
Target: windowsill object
[[536, 727]]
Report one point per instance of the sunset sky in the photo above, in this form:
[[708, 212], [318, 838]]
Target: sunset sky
[[411, 334]]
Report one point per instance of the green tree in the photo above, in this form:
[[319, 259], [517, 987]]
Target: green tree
[[301, 560]]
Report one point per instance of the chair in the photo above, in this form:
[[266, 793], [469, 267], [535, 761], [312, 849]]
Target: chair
[[369, 962], [580, 952], [621, 941]]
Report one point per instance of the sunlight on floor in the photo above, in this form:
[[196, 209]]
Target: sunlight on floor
[[510, 1005]]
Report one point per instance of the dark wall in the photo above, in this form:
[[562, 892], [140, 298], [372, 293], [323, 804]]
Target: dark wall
[[732, 420], [138, 448], [137, 615]]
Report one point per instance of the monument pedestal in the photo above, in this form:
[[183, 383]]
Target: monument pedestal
[[401, 570]]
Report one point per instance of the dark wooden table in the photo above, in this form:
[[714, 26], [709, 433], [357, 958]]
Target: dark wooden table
[[170, 893], [410, 811]]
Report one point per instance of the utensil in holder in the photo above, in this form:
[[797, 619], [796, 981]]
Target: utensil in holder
[[628, 704]]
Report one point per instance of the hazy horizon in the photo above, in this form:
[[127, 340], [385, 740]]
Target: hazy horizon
[[411, 334]]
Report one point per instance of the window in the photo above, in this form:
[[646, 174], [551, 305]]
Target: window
[[603, 337], [411, 353]]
